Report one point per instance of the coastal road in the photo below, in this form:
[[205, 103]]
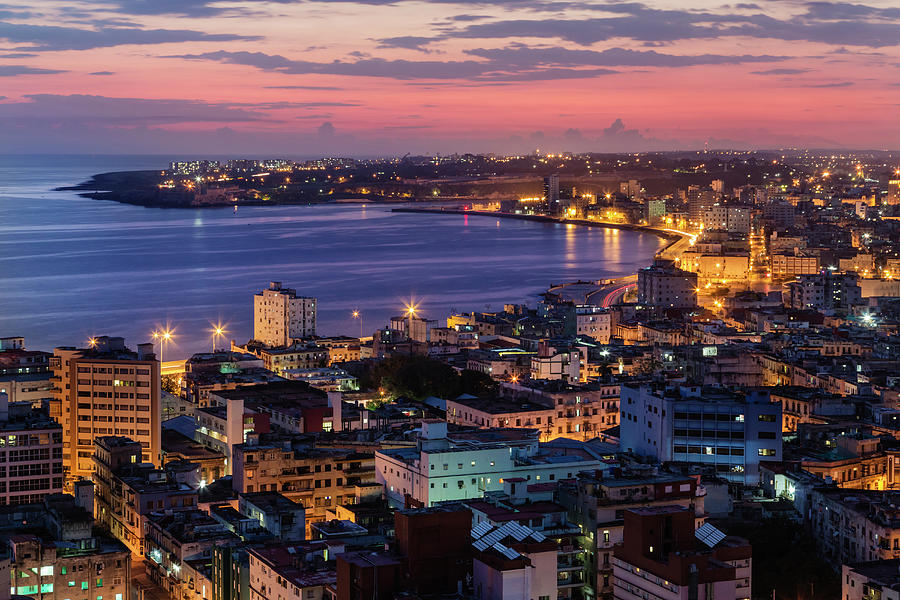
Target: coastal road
[[614, 295]]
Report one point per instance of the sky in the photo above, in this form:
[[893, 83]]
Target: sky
[[378, 77]]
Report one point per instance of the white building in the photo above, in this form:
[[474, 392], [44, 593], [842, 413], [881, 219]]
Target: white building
[[466, 465], [512, 562], [281, 316], [705, 426], [556, 363], [593, 321]]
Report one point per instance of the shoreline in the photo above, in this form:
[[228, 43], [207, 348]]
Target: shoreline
[[672, 236]]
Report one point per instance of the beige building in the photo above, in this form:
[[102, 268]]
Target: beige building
[[317, 478], [105, 389], [281, 316]]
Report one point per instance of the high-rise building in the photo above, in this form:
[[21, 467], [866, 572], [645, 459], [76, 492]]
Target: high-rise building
[[280, 316], [728, 432], [551, 193], [105, 389], [34, 450], [699, 200], [663, 285], [893, 196]]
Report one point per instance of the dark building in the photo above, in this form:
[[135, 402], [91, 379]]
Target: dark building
[[367, 576], [437, 546]]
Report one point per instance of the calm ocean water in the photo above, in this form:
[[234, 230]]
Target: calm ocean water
[[72, 267]]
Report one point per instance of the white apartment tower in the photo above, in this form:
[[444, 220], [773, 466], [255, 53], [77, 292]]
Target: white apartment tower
[[281, 316]]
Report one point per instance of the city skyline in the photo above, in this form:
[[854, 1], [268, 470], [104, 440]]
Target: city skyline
[[375, 78]]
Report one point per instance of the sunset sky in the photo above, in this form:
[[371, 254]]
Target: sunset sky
[[316, 77]]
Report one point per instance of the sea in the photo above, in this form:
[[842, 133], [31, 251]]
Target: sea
[[72, 268]]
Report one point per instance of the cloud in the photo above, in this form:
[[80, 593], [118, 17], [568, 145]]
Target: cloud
[[303, 87], [102, 73], [821, 22], [128, 112], [52, 37], [16, 70], [517, 56], [326, 129], [837, 84], [396, 69], [409, 42], [780, 72]]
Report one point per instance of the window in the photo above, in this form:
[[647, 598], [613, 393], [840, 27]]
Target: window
[[767, 418], [767, 435], [767, 452]]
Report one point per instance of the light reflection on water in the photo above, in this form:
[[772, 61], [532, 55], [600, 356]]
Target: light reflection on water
[[73, 267]]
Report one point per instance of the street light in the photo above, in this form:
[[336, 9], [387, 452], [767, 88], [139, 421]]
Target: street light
[[218, 331], [357, 315], [163, 336]]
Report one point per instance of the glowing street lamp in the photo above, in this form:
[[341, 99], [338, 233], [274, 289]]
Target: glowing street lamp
[[358, 315], [163, 336], [92, 342], [218, 331]]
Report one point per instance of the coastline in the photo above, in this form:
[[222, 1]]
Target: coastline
[[672, 236], [612, 289]]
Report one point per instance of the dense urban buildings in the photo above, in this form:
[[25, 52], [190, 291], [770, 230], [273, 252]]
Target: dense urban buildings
[[682, 431]]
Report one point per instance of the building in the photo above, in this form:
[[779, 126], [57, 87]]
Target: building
[[597, 502], [731, 432], [728, 217], [176, 541], [663, 557], [58, 555], [593, 321], [665, 286], [551, 194], [284, 572], [280, 316], [277, 514], [367, 575], [791, 265], [581, 419], [513, 561], [32, 465], [125, 490], [825, 291], [317, 478], [465, 465], [103, 390], [556, 363], [876, 579], [893, 195], [852, 526], [436, 544]]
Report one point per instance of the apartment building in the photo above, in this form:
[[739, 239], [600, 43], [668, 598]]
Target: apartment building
[[466, 465], [65, 558], [317, 478], [665, 286], [105, 389], [852, 526], [691, 424], [280, 316], [31, 449], [875, 579], [597, 502], [665, 558], [125, 490]]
